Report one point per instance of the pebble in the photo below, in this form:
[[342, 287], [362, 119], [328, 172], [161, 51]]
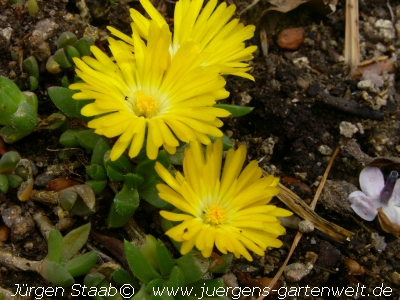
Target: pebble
[[385, 28], [297, 271], [347, 129], [5, 37], [306, 226], [21, 224], [328, 255], [291, 38], [325, 150], [395, 278]]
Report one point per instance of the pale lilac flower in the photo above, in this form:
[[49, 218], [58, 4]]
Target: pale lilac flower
[[375, 194]]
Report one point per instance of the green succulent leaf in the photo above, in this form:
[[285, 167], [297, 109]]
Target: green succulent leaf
[[55, 273], [100, 149], [25, 118], [82, 264], [33, 83], [83, 46], [121, 277], [235, 110], [115, 219], [61, 58], [156, 283], [96, 172], [74, 241], [226, 142], [127, 200], [68, 138], [8, 162], [149, 250], [176, 278], [88, 139], [138, 264], [97, 185], [146, 166], [177, 158], [14, 181], [165, 260], [9, 94], [122, 164], [66, 38], [31, 66], [11, 135], [222, 264], [72, 52], [149, 192], [55, 246], [193, 266], [3, 183], [93, 279], [62, 98]]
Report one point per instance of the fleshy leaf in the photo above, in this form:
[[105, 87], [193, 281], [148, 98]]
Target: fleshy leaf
[[165, 260], [235, 110], [75, 240], [194, 267], [56, 274], [82, 264], [55, 245], [138, 264], [62, 98]]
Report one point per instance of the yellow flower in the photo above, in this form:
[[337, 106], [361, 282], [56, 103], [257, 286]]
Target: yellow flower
[[170, 97], [230, 211], [212, 28]]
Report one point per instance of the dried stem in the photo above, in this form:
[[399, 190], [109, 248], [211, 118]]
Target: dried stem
[[352, 36], [11, 261]]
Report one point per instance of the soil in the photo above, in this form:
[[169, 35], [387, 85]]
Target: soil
[[292, 131]]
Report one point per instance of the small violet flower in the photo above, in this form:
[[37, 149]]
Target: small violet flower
[[376, 194]]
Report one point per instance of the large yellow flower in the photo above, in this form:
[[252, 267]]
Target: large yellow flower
[[212, 28], [230, 212], [171, 97]]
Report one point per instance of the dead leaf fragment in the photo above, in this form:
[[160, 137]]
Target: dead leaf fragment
[[284, 5], [387, 225]]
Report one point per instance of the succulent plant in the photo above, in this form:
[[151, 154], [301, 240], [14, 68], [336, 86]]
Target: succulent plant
[[68, 47], [18, 111], [8, 162]]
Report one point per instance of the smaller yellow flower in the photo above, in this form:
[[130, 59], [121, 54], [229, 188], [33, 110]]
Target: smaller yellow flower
[[210, 27], [228, 211]]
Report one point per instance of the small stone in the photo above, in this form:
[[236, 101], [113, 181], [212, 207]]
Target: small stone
[[386, 24], [347, 129], [301, 175], [297, 271], [306, 226], [21, 224], [365, 84], [395, 278], [325, 150], [267, 146], [301, 62], [5, 37], [378, 241], [230, 280], [311, 257], [291, 38], [246, 98], [328, 255]]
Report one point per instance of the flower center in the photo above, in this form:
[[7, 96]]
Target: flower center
[[145, 105], [215, 215]]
